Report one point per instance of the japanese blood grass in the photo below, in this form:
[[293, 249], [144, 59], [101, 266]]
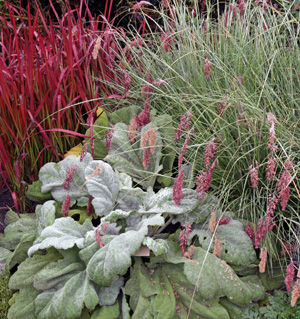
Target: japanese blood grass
[[47, 83], [253, 70]]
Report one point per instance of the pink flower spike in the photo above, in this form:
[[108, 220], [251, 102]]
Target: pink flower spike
[[146, 159], [250, 231], [210, 152], [207, 66], [224, 221], [183, 150], [83, 152], [66, 206], [144, 117], [138, 5], [282, 187], [108, 136], [127, 83], [185, 123], [254, 175], [271, 168], [183, 235], [241, 7], [272, 205], [290, 274], [89, 206], [98, 238], [177, 188], [69, 177], [271, 118]]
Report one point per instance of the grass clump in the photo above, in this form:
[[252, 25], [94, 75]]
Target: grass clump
[[234, 74]]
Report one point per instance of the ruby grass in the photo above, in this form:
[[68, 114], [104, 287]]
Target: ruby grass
[[47, 84]]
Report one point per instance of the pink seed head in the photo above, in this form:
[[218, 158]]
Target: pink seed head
[[66, 206], [207, 66], [108, 136], [290, 274], [98, 238], [177, 188], [253, 170]]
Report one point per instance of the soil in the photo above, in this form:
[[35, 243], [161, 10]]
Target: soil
[[6, 202]]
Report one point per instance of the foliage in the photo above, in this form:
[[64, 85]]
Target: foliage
[[278, 307], [5, 293], [88, 269]]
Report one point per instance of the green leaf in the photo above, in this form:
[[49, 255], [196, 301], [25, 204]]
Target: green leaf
[[125, 307], [115, 257], [216, 279], [103, 186], [129, 198], [164, 292], [68, 301], [117, 214], [124, 115], [162, 202], [35, 194], [63, 234], [24, 276], [108, 295], [11, 217], [107, 312], [59, 270], [165, 127], [237, 247], [128, 158], [19, 254], [99, 128], [158, 246], [23, 306], [45, 215], [4, 255], [53, 175], [22, 230]]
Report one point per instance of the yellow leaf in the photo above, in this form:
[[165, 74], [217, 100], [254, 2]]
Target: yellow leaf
[[76, 150]]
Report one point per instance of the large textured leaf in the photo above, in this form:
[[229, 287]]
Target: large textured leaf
[[158, 246], [24, 229], [214, 277], [4, 255], [19, 254], [128, 158], [58, 271], [161, 294], [109, 295], [34, 192], [103, 184], [53, 175], [23, 306], [68, 301], [99, 128], [162, 202], [45, 215], [129, 198], [26, 272], [124, 115], [63, 234], [164, 123], [237, 247], [115, 257], [116, 214], [107, 312]]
